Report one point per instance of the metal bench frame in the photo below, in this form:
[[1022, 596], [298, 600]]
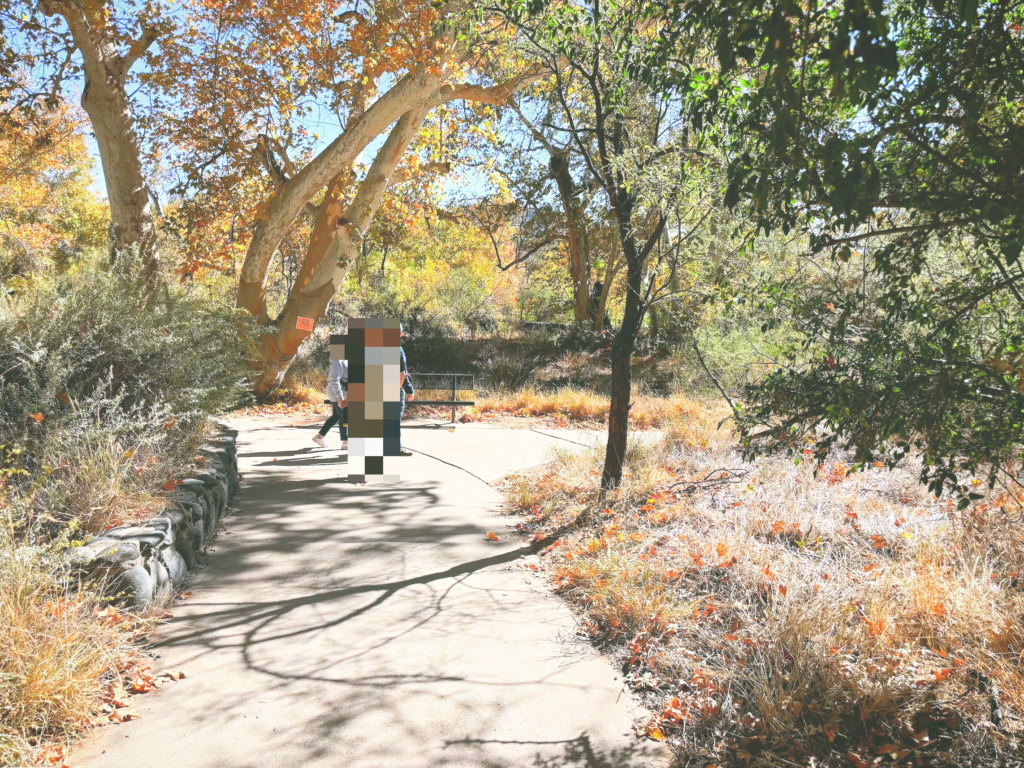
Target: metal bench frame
[[455, 403]]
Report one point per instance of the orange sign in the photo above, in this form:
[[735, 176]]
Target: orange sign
[[304, 323]]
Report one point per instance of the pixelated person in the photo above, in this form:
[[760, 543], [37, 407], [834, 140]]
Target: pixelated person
[[375, 403], [337, 386]]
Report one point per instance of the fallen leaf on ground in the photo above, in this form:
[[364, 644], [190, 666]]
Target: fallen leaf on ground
[[492, 536], [831, 731], [55, 755], [120, 698]]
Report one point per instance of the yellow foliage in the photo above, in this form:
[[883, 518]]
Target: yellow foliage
[[47, 208]]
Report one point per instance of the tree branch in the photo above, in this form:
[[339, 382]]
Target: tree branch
[[714, 379], [138, 49], [497, 94], [654, 237], [881, 233]]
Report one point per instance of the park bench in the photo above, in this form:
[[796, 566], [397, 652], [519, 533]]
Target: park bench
[[438, 385]]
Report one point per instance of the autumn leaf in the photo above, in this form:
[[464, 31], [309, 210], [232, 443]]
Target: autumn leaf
[[121, 698], [143, 684], [492, 536], [857, 760], [655, 733], [878, 626], [53, 755], [37, 416]]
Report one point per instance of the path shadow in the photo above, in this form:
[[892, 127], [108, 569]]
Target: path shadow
[[369, 610], [579, 752]]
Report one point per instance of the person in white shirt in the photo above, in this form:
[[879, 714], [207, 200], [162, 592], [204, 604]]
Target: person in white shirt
[[337, 386]]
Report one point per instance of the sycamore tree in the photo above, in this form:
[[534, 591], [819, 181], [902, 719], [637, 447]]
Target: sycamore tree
[[91, 47], [889, 134], [242, 85]]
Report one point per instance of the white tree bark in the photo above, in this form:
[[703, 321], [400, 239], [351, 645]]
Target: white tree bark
[[406, 94], [342, 253], [345, 248], [105, 100], [418, 89]]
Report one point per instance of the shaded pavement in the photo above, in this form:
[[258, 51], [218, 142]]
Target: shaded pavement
[[339, 625]]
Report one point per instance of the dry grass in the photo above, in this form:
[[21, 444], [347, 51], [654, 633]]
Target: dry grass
[[98, 480], [779, 617], [65, 650], [300, 395], [60, 655], [584, 407]]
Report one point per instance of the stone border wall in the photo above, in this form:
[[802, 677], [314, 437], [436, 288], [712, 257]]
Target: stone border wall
[[145, 563]]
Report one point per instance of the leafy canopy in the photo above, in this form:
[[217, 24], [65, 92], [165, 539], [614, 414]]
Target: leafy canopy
[[890, 133]]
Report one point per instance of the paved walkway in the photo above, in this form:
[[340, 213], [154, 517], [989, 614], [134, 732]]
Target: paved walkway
[[376, 626]]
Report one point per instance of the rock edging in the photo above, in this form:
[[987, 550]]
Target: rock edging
[[146, 562]]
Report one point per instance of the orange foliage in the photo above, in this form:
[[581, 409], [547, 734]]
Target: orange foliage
[[45, 173], [239, 89]]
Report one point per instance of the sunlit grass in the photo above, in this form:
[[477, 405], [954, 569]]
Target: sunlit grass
[[585, 407], [780, 614]]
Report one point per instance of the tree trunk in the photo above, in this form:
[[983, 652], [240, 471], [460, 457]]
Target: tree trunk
[[410, 91], [622, 349], [105, 100], [606, 288], [674, 332], [579, 243], [337, 249]]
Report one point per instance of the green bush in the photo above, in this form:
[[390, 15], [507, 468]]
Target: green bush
[[81, 341], [110, 393]]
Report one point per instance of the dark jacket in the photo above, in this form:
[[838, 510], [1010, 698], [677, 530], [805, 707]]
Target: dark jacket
[[407, 387]]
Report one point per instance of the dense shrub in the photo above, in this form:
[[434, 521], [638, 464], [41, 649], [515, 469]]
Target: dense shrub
[[81, 342]]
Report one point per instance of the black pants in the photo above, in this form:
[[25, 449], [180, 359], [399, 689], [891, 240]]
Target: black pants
[[339, 416]]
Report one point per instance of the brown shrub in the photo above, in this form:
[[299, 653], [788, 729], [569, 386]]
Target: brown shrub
[[778, 615]]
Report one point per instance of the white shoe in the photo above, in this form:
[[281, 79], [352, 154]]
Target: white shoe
[[344, 445], [319, 440]]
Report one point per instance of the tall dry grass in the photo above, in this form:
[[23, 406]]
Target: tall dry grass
[[585, 407], [61, 646], [58, 654], [779, 617]]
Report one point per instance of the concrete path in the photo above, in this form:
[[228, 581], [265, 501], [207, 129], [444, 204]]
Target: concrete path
[[376, 626]]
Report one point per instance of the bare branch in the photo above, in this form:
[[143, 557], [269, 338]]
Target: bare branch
[[714, 379], [138, 49], [881, 233]]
